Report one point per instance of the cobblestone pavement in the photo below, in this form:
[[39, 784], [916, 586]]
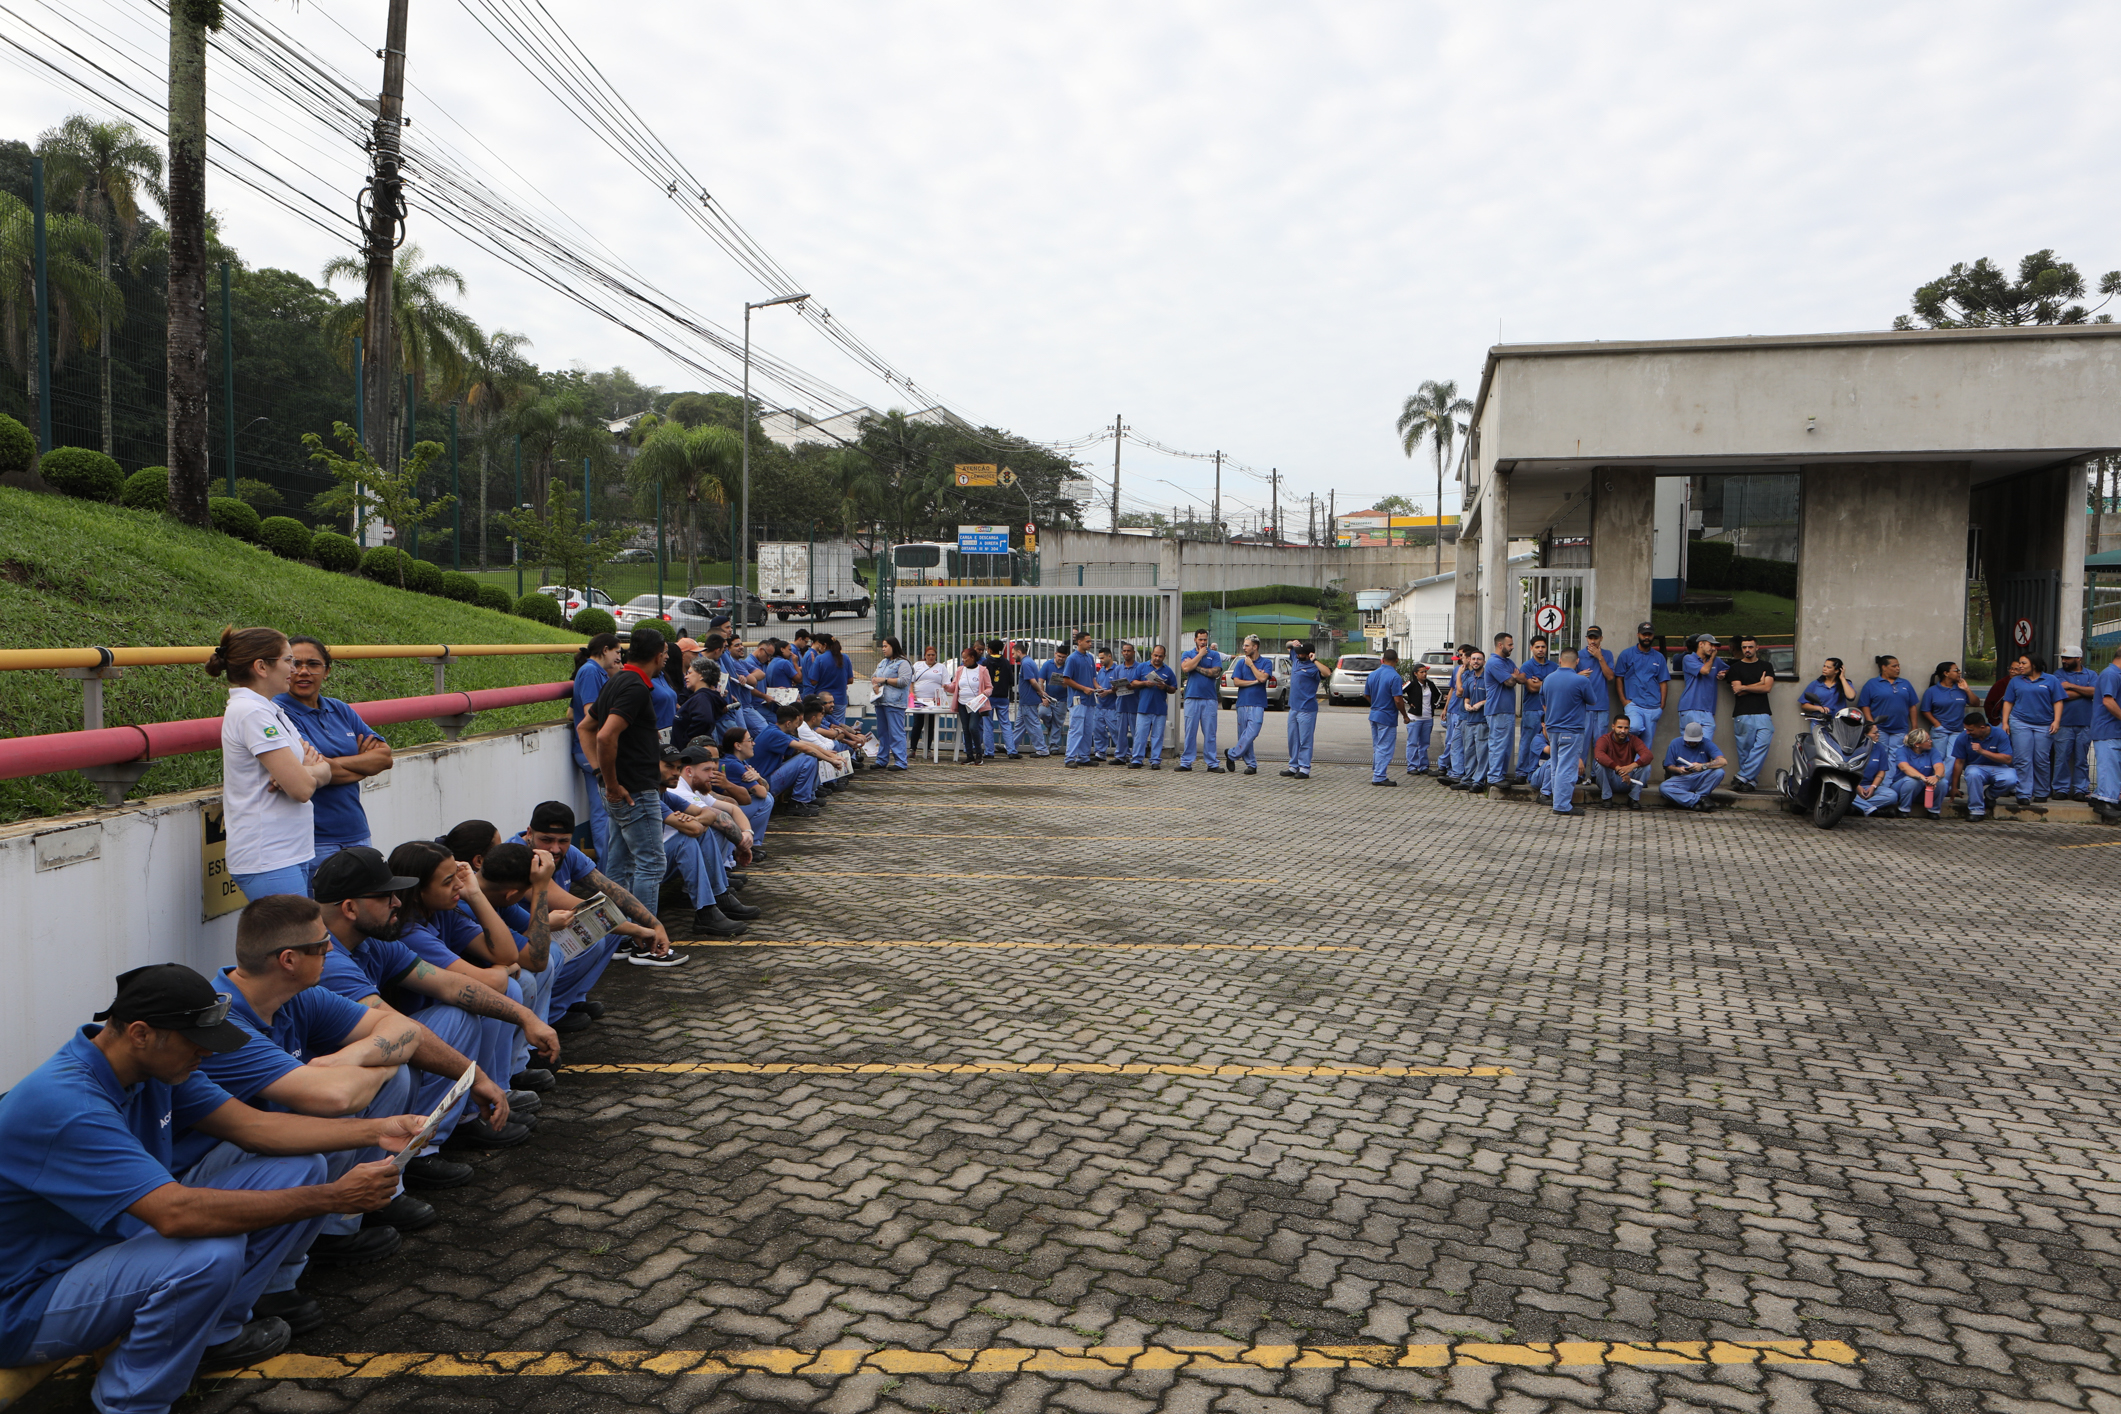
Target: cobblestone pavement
[[1791, 1121]]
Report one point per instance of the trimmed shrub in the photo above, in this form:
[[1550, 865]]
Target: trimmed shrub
[[82, 472], [233, 517], [383, 564], [147, 490], [422, 576], [17, 447], [285, 536], [1708, 564], [459, 586], [542, 607], [335, 551], [492, 596], [1777, 577], [593, 620]]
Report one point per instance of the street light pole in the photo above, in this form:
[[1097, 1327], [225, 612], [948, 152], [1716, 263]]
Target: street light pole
[[743, 534]]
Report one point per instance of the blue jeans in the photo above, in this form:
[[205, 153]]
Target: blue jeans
[[2070, 772], [1473, 750], [1610, 781], [1502, 731], [795, 778], [1644, 720], [574, 978], [1031, 727], [2031, 756], [891, 735], [1384, 744], [2106, 756], [287, 879], [165, 1299], [1149, 735], [1200, 716], [1567, 749], [1001, 722], [1080, 728], [1755, 733], [1418, 733], [599, 819], [699, 863], [1249, 722], [1692, 788], [635, 862], [1985, 783], [1303, 729]]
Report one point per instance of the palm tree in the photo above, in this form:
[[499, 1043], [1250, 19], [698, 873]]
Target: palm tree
[[102, 170], [81, 297], [431, 338], [693, 466], [496, 378], [1432, 411]]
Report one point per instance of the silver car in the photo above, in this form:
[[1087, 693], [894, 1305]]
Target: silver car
[[1277, 695], [1345, 683], [683, 616]]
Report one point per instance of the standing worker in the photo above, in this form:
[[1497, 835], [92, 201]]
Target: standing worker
[[1386, 691], [1751, 678], [1128, 672], [890, 684], [1565, 700], [1200, 669], [269, 774], [1031, 703], [1888, 703], [1004, 665], [2032, 706], [594, 663], [1473, 724], [1253, 677], [340, 737], [2070, 775], [1697, 694], [1503, 679], [1532, 714], [1423, 697], [1596, 666], [1305, 672], [2106, 742], [1154, 682], [1079, 676], [1643, 672]]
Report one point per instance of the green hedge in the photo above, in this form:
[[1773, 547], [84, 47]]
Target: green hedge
[[17, 447], [334, 551], [423, 576], [593, 621], [492, 596], [1249, 598], [1777, 577], [285, 536], [1708, 564], [82, 472], [1716, 565], [541, 607], [147, 490], [460, 586], [233, 517], [385, 565]]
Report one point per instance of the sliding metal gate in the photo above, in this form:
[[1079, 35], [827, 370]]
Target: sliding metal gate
[[1555, 604], [2027, 609]]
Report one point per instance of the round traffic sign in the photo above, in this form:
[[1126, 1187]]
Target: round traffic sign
[[1030, 527], [2022, 633], [1548, 618]]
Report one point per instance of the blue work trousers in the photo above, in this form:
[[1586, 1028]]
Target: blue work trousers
[[1200, 716], [582, 972], [1454, 751], [891, 735], [698, 861], [1502, 733], [1644, 720], [1596, 725], [1149, 735], [1473, 750], [1909, 793], [1985, 783], [1529, 722], [1030, 727], [1303, 731], [1001, 725], [2030, 755], [635, 860], [165, 1299], [2071, 772], [1384, 744], [794, 779], [537, 1000], [1250, 720], [760, 814], [1123, 725], [1081, 718], [458, 1029], [1419, 731], [1611, 781], [1690, 789], [1105, 730], [1754, 733], [1566, 751], [2106, 761], [500, 1041], [1689, 716], [287, 879]]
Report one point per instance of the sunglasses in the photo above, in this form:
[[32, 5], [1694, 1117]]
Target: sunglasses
[[192, 1020]]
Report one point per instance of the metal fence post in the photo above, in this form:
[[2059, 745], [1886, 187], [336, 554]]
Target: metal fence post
[[456, 493], [43, 302], [228, 375]]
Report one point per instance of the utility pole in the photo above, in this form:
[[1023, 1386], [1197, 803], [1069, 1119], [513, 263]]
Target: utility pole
[[1311, 520], [1332, 523], [1118, 428], [1215, 514], [185, 351], [382, 207], [1274, 481]]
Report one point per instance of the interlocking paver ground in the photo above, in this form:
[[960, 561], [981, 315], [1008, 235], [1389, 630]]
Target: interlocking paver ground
[[1768, 1084]]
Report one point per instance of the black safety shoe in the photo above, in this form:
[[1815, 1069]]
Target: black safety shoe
[[404, 1212], [431, 1171], [301, 1313], [353, 1249], [261, 1339]]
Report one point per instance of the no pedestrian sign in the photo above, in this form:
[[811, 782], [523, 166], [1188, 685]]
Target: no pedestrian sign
[[2022, 633], [1548, 618]]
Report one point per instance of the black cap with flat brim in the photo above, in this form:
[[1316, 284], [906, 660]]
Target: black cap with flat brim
[[171, 997]]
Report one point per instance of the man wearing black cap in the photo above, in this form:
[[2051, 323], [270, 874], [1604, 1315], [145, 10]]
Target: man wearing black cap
[[361, 899], [619, 734], [694, 824], [98, 1243], [576, 877]]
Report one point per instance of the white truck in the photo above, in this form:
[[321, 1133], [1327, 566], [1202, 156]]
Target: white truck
[[798, 579]]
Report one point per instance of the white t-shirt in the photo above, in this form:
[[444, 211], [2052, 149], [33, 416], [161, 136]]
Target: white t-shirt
[[266, 828], [930, 682]]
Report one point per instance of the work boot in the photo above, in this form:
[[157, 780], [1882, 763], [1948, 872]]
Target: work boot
[[260, 1339], [432, 1171], [357, 1248], [711, 922], [536, 1080], [731, 908], [404, 1212], [478, 1134], [301, 1313]]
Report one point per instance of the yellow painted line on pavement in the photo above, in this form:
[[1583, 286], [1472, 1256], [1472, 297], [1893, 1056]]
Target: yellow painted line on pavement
[[1061, 1360], [1043, 946], [900, 804], [930, 834], [1060, 878], [2095, 844], [1388, 1072]]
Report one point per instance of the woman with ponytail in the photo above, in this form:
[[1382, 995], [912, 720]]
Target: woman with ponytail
[[268, 772]]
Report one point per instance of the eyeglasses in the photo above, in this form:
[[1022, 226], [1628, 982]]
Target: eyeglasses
[[307, 664], [192, 1020]]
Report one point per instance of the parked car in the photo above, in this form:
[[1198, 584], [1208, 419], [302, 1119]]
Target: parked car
[[1349, 670], [721, 599], [634, 557], [573, 601], [1277, 695], [685, 617]]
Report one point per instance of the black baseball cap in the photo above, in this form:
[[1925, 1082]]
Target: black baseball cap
[[1645, 627], [172, 997], [672, 756], [694, 755], [552, 817], [1594, 631], [358, 872]]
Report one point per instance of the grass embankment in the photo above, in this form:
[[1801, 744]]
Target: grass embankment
[[74, 574], [1769, 615]]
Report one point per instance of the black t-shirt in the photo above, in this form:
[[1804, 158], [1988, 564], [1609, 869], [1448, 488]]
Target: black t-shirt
[[1750, 704], [640, 750], [1003, 672]]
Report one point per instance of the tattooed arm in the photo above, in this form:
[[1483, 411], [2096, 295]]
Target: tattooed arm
[[641, 920], [480, 1000]]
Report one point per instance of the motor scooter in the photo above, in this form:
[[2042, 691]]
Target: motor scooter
[[1827, 764]]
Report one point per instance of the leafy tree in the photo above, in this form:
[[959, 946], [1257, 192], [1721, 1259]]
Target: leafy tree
[[368, 491], [1395, 506], [615, 393], [1154, 520], [81, 296], [259, 495], [559, 539], [1431, 413], [1981, 295]]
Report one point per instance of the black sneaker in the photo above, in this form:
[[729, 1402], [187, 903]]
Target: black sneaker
[[573, 1022], [478, 1134], [301, 1313], [536, 1080], [430, 1172], [1251, 770], [1071, 765], [522, 1101], [404, 1212], [1158, 766], [1183, 767], [1134, 765], [1387, 781], [357, 1248], [260, 1339], [1212, 770], [731, 908], [594, 1007], [1286, 771]]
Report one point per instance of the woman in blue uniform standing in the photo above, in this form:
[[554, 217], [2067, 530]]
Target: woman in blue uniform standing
[[1826, 694], [1943, 707], [1888, 703], [341, 738], [2032, 709]]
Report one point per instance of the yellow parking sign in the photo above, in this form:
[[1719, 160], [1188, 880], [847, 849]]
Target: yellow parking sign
[[977, 473]]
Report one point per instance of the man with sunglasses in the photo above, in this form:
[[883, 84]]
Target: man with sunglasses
[[341, 738], [100, 1245]]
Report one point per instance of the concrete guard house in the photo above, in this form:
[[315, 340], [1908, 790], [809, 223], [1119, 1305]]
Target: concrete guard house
[[1923, 457]]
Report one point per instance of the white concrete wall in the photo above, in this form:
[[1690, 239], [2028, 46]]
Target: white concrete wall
[[1203, 565], [99, 893]]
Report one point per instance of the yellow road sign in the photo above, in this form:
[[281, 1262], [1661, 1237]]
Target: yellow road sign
[[975, 473], [1008, 477]]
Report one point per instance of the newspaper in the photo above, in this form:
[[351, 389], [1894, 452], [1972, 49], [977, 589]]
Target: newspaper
[[596, 916], [434, 1120]]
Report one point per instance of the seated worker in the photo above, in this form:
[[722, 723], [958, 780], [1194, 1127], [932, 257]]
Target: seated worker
[[1874, 793], [700, 769], [1981, 764], [694, 823], [1922, 778], [363, 911], [433, 927], [640, 939], [513, 879], [1621, 761], [834, 764], [1693, 766], [791, 767], [100, 1246], [733, 778], [699, 714]]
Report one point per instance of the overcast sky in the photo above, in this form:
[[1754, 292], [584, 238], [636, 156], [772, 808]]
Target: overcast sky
[[1248, 226]]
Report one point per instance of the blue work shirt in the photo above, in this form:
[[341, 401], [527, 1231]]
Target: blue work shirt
[[1080, 667], [589, 680], [1502, 695], [663, 703], [769, 749], [1589, 668], [2076, 711], [1997, 741], [1382, 685], [313, 1022], [2034, 702], [1198, 687], [1948, 705], [734, 670], [833, 675], [1699, 754], [1833, 699], [1472, 694], [1643, 673], [1567, 702], [80, 1150], [1539, 672], [781, 672], [1109, 677], [1924, 761], [1030, 672], [1304, 679], [1153, 701], [374, 968], [1698, 692], [1251, 681], [1889, 702], [334, 729], [2105, 725]]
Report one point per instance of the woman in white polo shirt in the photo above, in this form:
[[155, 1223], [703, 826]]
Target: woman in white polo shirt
[[268, 772]]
